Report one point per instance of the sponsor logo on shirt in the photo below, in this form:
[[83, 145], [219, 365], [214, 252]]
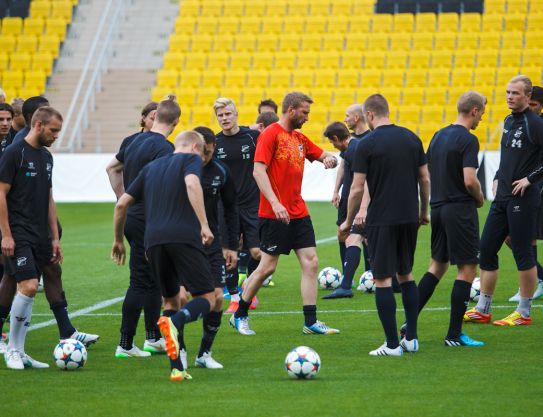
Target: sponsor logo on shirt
[[271, 248], [220, 153], [245, 148], [31, 165], [516, 209]]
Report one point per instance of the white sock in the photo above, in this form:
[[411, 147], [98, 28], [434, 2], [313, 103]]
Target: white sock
[[234, 298], [21, 313], [524, 306], [484, 303]]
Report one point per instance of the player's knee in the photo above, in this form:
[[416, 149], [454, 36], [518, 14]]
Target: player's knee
[[28, 287], [311, 264], [353, 240], [438, 269], [255, 253]]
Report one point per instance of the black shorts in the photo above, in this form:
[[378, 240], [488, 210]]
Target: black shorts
[[516, 218], [176, 264], [278, 238], [539, 224], [27, 259], [342, 211], [141, 278], [392, 249], [249, 226], [216, 262], [358, 230], [455, 233]]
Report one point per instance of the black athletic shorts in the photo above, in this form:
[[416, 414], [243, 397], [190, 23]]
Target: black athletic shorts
[[141, 278], [455, 233], [249, 227], [358, 230], [516, 218], [217, 264], [539, 224], [25, 262], [177, 264], [278, 238], [392, 249], [342, 211]]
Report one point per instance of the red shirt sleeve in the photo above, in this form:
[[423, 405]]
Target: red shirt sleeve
[[313, 152], [266, 145]]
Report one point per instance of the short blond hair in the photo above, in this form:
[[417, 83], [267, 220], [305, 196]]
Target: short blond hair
[[469, 100], [524, 80], [222, 102], [188, 138]]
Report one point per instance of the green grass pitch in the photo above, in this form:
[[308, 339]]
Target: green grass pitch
[[504, 378]]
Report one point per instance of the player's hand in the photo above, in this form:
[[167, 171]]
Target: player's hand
[[360, 218], [230, 258], [424, 218], [343, 230], [8, 246], [118, 253], [207, 235], [281, 212], [335, 200], [520, 186], [481, 201], [494, 187], [330, 162], [57, 252]]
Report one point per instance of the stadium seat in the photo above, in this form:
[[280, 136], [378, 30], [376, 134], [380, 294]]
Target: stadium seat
[[377, 42], [40, 9], [416, 78], [336, 41], [441, 59], [423, 41], [348, 78], [190, 78], [517, 6], [228, 25], [57, 27], [341, 8], [374, 59], [316, 24], [512, 40], [250, 25], [412, 96], [484, 76], [325, 78], [179, 42], [487, 58], [492, 23], [470, 22], [33, 26], [20, 61], [293, 24], [510, 55], [4, 61], [7, 43], [391, 93], [35, 80], [280, 78], [339, 24], [358, 23], [397, 59], [445, 41], [409, 114], [322, 96], [534, 73], [532, 57], [285, 60], [403, 22], [13, 79], [234, 8], [235, 79], [490, 40], [330, 59], [467, 40], [12, 26], [307, 59], [206, 96], [438, 77], [504, 74], [252, 95], [319, 9], [495, 6], [400, 41], [432, 114], [464, 58], [533, 39], [186, 96], [303, 79], [266, 42], [515, 22], [393, 78], [272, 25], [462, 77], [311, 42], [534, 22], [351, 59], [62, 9], [27, 43], [167, 78], [435, 96], [451, 111], [445, 21], [381, 23], [212, 8], [297, 7], [218, 61], [370, 78], [344, 97], [49, 43], [419, 59], [257, 78]]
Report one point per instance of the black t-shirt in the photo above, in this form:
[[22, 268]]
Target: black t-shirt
[[218, 185], [348, 158], [390, 156], [29, 171], [5, 142], [169, 216], [144, 148], [521, 152], [21, 134], [452, 149], [238, 152], [125, 144]]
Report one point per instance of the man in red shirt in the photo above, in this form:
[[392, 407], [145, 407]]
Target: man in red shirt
[[285, 224]]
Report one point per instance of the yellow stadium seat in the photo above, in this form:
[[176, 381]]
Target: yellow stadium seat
[[311, 42], [423, 41], [56, 26], [517, 6], [324, 78], [377, 42], [392, 94], [419, 59], [348, 78], [533, 72], [400, 41], [206, 25], [432, 114], [364, 92], [33, 26], [329, 59], [252, 96], [513, 40], [374, 59], [240, 61], [7, 43], [323, 96], [262, 60], [487, 58], [492, 23], [441, 59], [403, 22], [339, 24], [470, 22], [62, 9], [370, 78], [510, 55], [451, 111], [167, 78], [218, 61], [498, 113], [351, 59], [302, 79], [532, 57], [13, 79], [228, 25], [272, 24], [490, 40], [535, 21], [190, 78], [298, 7], [190, 9], [393, 78], [363, 6], [397, 59], [280, 78], [435, 96], [186, 96], [4, 61], [316, 24], [307, 59], [341, 8], [354, 41], [438, 77], [212, 78], [244, 42], [206, 96], [27, 43], [293, 24], [158, 93], [318, 116], [234, 8], [202, 115], [495, 6], [464, 58], [266, 42], [12, 26], [427, 132], [257, 78], [179, 42], [201, 43], [484, 76], [196, 60], [533, 39], [35, 80], [412, 96], [20, 61], [212, 8], [409, 114], [250, 25], [49, 43], [487, 91], [445, 40], [40, 9], [381, 23], [504, 74], [415, 77], [285, 60], [462, 77], [319, 9], [446, 21], [336, 41], [467, 40], [515, 22], [235, 79], [358, 23]]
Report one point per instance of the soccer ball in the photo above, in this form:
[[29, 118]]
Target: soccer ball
[[366, 283], [329, 278], [475, 289], [70, 354], [302, 363]]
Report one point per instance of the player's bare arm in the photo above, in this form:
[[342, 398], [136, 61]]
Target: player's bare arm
[[53, 227], [263, 181], [115, 174], [424, 193], [118, 251], [8, 244]]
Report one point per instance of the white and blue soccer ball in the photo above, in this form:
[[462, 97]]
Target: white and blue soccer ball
[[302, 363], [329, 278], [475, 291], [366, 283], [70, 354]]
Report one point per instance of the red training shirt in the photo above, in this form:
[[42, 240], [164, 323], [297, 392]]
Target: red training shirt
[[284, 153]]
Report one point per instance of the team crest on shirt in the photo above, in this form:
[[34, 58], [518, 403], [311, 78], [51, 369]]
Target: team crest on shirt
[[21, 261], [301, 149], [31, 165], [245, 148]]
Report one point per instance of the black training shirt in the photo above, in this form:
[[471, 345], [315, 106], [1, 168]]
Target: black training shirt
[[521, 152], [144, 148], [390, 156], [452, 149], [238, 153], [125, 144], [21, 134], [169, 216], [29, 171], [218, 185], [348, 158]]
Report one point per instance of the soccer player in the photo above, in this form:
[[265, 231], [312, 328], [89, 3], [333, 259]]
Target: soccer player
[[6, 117], [143, 292], [29, 108], [392, 160], [236, 148], [267, 106], [285, 222], [514, 210], [536, 105], [28, 223], [265, 119], [18, 121], [455, 196], [175, 228]]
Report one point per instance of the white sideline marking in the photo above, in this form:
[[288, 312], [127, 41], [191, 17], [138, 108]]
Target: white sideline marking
[[269, 313], [326, 240]]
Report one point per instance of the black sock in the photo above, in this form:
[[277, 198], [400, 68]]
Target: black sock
[[152, 305], [410, 301], [253, 263], [538, 265], [352, 260], [459, 303], [192, 311], [211, 324], [232, 281], [427, 286], [176, 364], [342, 249], [131, 311], [396, 285], [65, 327], [367, 263], [243, 309], [310, 315], [386, 307], [4, 312], [126, 341]]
